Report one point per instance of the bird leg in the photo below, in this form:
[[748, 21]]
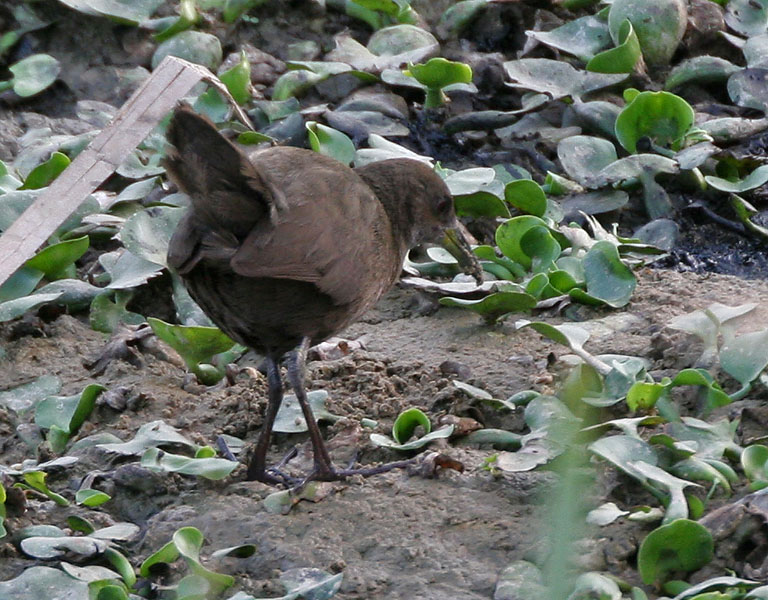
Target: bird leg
[[257, 466], [296, 369]]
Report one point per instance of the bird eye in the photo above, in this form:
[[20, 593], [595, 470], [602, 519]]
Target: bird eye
[[444, 205]]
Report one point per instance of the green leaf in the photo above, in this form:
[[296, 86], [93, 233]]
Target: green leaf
[[643, 395], [89, 497], [510, 233], [36, 480], [187, 19], [700, 69], [755, 179], [54, 261], [23, 397], [527, 196], [584, 155], [583, 37], [15, 308], [148, 232], [622, 58], [128, 12], [38, 582], [44, 173], [149, 435], [33, 74], [659, 26], [189, 541], [238, 79], [194, 46], [480, 204], [290, 417], [210, 468], [608, 279], [682, 545], [67, 412], [661, 116], [105, 315], [330, 142], [557, 79], [407, 422], [745, 356], [496, 305], [194, 344], [295, 83], [384, 441], [439, 72]]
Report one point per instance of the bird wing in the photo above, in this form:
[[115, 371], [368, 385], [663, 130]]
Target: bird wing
[[330, 235]]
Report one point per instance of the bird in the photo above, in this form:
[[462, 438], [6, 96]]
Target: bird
[[284, 247]]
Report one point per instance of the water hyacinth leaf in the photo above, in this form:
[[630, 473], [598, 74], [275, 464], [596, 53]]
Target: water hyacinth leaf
[[165, 555], [129, 13], [195, 46], [15, 308], [195, 344], [380, 148], [682, 545], [661, 116], [605, 514], [571, 336], [749, 88], [469, 181], [624, 451], [148, 232], [44, 173], [242, 551], [238, 79], [480, 204], [500, 439], [55, 260], [510, 233], [186, 19], [290, 417], [747, 17], [633, 167], [32, 75], [210, 468], [583, 155], [458, 16], [36, 480], [67, 412], [385, 442], [149, 435], [695, 469], [494, 306], [188, 542], [745, 356], [555, 78], [107, 314], [753, 461], [311, 583], [436, 74], [607, 278], [756, 51], [127, 270], [295, 83], [406, 423], [700, 69], [401, 44], [75, 293], [89, 573], [659, 26], [583, 37], [622, 58], [527, 196], [38, 582], [539, 244], [755, 179], [596, 585], [89, 497], [330, 142], [23, 397]]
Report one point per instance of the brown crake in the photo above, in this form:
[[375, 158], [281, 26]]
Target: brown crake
[[284, 247]]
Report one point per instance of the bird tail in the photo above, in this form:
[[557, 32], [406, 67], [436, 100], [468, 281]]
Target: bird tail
[[227, 190]]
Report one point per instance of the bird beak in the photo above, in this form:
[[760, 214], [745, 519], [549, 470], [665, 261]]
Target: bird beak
[[455, 242]]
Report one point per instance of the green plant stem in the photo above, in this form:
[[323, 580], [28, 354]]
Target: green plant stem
[[6, 85], [739, 394], [435, 98]]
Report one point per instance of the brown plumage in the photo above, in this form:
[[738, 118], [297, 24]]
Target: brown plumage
[[284, 247]]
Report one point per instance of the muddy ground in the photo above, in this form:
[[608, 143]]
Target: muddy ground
[[393, 536]]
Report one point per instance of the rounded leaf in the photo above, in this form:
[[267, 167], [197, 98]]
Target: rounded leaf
[[659, 24], [682, 545], [407, 422]]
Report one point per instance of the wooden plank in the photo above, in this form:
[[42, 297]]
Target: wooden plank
[[172, 78]]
